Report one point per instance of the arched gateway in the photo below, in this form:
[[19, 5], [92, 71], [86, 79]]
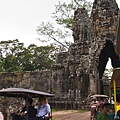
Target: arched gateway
[[77, 72]]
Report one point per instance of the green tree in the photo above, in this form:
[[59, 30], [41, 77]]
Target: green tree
[[15, 57], [63, 16], [108, 73], [43, 57], [1, 63], [64, 12], [37, 58], [9, 50]]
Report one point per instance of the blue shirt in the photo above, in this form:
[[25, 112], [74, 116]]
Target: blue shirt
[[43, 110]]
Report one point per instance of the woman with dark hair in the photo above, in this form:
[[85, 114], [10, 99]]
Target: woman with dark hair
[[28, 110]]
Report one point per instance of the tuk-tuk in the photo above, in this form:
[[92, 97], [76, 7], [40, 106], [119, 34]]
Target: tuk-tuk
[[94, 105], [114, 87], [23, 93]]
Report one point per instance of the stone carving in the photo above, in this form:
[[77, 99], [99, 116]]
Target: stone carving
[[77, 59], [92, 36], [80, 26], [104, 21]]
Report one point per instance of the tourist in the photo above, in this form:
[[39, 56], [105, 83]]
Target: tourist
[[103, 114], [94, 107], [44, 110], [28, 110]]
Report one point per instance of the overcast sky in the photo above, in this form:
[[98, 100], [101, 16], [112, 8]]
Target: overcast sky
[[20, 18]]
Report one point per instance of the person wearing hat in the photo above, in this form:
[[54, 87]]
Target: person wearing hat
[[103, 114], [28, 111]]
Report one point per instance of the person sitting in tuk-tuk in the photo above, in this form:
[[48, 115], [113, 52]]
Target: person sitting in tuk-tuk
[[44, 110], [28, 111], [103, 114]]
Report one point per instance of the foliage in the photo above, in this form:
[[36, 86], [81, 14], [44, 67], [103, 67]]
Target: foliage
[[1, 63], [106, 80], [15, 57], [9, 51], [49, 31], [64, 12], [107, 73], [63, 16]]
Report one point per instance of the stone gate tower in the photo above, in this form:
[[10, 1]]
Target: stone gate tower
[[104, 18], [77, 72]]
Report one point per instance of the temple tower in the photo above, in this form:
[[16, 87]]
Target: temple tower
[[104, 18], [71, 72], [77, 73]]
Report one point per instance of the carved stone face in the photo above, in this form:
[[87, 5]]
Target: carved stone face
[[104, 19], [79, 25]]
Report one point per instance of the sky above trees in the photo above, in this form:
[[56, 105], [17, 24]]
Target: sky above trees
[[19, 18]]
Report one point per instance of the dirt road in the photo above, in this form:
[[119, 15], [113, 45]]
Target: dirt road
[[71, 115]]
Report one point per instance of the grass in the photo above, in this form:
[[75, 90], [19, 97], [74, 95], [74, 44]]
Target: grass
[[54, 110]]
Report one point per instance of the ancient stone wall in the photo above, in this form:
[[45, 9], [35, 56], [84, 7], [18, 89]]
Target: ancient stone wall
[[38, 80]]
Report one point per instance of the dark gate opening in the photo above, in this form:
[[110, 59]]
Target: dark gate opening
[[107, 52]]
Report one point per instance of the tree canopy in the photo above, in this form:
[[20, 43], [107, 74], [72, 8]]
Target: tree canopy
[[15, 57]]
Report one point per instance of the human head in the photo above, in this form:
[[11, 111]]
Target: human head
[[106, 100], [94, 99], [28, 101], [42, 100], [105, 107]]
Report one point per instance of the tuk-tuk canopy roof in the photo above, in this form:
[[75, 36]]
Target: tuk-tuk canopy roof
[[116, 77], [21, 92], [99, 96]]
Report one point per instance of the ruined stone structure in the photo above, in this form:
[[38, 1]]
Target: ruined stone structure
[[71, 71], [104, 18], [77, 72]]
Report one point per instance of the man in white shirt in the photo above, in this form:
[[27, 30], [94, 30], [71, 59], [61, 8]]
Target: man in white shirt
[[44, 110]]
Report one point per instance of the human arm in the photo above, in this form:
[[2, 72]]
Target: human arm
[[48, 108], [24, 111], [48, 115]]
